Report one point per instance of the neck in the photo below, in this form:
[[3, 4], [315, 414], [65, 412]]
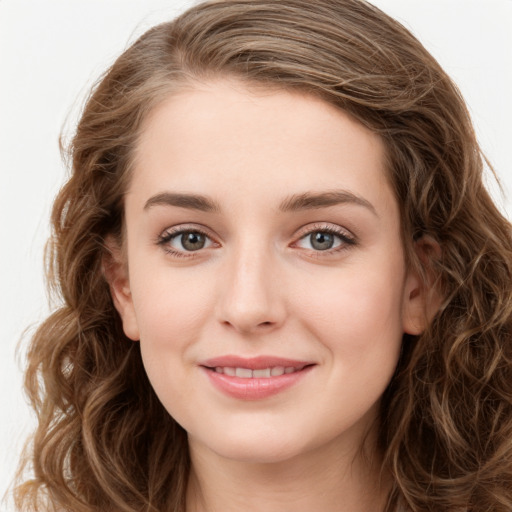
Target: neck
[[325, 479]]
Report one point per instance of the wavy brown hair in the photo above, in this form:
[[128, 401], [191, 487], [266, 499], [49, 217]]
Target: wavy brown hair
[[104, 441]]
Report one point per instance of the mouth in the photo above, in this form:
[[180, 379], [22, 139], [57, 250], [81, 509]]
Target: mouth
[[254, 378], [262, 373]]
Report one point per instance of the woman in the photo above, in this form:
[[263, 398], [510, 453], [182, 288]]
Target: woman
[[284, 285]]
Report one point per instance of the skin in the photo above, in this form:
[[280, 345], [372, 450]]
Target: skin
[[260, 286]]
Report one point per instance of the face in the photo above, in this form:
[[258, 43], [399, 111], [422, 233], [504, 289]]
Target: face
[[263, 271]]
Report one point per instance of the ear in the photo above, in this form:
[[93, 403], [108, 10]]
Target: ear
[[422, 299], [115, 270]]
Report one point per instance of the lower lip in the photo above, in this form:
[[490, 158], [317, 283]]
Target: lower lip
[[254, 388]]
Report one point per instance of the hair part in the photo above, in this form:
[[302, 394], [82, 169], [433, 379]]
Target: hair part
[[104, 441]]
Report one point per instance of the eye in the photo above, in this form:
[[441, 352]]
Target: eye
[[189, 241], [326, 239], [181, 241], [322, 241]]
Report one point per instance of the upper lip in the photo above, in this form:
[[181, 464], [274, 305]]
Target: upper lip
[[254, 363]]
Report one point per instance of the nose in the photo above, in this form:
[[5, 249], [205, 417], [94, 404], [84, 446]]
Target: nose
[[251, 295]]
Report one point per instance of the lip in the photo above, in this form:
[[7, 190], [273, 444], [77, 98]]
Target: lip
[[254, 388]]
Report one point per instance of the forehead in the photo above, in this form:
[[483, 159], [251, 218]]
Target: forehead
[[223, 136]]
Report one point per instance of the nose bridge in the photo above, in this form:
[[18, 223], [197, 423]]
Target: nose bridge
[[251, 299]]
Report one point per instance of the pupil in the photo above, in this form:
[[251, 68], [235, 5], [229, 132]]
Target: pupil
[[192, 241], [322, 241]]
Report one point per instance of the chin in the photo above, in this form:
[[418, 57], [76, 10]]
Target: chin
[[255, 453], [262, 447]]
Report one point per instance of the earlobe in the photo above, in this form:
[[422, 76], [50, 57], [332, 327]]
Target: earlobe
[[422, 299], [115, 270]]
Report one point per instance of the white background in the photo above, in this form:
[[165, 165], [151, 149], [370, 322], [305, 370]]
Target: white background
[[50, 54]]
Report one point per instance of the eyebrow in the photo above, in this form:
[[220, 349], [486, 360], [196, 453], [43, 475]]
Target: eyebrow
[[294, 203], [190, 201], [311, 201]]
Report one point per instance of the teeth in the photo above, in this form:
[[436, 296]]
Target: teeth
[[246, 373], [230, 371], [261, 373], [276, 371]]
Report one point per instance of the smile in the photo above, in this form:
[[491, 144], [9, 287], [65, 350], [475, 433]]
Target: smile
[[254, 378], [247, 373]]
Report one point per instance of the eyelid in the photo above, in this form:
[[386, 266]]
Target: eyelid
[[181, 228], [324, 226]]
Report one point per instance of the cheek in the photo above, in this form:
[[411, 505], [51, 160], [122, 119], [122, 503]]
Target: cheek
[[169, 303], [356, 314], [171, 311]]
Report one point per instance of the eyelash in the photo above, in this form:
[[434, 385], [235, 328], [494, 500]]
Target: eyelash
[[347, 240]]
